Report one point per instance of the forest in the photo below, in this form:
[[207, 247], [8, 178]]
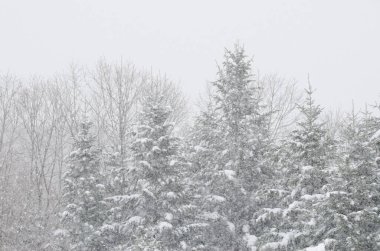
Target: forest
[[115, 158]]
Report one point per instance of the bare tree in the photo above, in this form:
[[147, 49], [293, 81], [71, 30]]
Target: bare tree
[[42, 123], [68, 89], [36, 124], [281, 97], [9, 86], [115, 89], [334, 120]]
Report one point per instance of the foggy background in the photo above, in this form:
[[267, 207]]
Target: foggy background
[[100, 150], [336, 42]]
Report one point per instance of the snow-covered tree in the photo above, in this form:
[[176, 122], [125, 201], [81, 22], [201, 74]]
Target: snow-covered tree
[[287, 212], [348, 211], [229, 144], [333, 208], [243, 121], [307, 174], [355, 147], [309, 142], [83, 204], [152, 216]]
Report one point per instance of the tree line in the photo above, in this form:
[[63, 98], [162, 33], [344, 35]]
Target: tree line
[[108, 159]]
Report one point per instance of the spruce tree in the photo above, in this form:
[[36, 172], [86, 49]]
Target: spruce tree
[[229, 145], [156, 205], [308, 177], [348, 214], [310, 142], [288, 214], [358, 129], [83, 204], [243, 121]]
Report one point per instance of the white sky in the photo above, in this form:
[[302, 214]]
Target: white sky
[[337, 42]]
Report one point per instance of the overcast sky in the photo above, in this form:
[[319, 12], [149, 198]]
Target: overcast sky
[[337, 42]]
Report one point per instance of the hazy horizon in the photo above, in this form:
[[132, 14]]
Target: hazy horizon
[[337, 43]]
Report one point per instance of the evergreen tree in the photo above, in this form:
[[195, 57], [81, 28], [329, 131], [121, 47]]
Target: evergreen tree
[[308, 176], [310, 142], [83, 205], [348, 214], [156, 206], [356, 136], [229, 147], [287, 215], [242, 118]]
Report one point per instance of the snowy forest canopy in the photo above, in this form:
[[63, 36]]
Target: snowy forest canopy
[[110, 159]]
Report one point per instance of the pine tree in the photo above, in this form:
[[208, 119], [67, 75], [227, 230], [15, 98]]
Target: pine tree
[[308, 177], [348, 214], [310, 142], [83, 205], [154, 211], [356, 136], [243, 122], [287, 216], [229, 145]]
